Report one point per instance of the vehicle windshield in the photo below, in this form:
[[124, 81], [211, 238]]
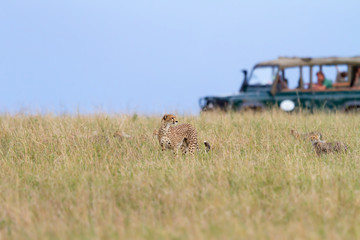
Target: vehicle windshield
[[263, 75]]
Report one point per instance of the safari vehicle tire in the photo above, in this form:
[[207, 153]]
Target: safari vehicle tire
[[253, 107], [353, 109], [353, 106]]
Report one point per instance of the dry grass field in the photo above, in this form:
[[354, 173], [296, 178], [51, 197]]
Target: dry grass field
[[67, 177]]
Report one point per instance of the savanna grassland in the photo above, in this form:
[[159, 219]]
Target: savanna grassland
[[67, 177]]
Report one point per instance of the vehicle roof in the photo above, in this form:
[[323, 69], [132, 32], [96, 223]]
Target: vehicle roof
[[284, 62]]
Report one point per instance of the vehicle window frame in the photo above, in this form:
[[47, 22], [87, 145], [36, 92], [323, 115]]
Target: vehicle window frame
[[350, 68], [263, 85]]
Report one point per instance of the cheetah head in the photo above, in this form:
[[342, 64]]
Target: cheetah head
[[169, 119], [315, 138]]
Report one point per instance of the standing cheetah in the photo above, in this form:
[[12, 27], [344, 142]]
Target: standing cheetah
[[172, 136], [326, 147]]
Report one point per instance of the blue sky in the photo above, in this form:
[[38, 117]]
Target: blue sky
[[154, 56]]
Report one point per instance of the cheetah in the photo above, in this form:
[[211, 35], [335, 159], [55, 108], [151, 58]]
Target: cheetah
[[121, 135], [305, 136], [326, 147], [173, 136]]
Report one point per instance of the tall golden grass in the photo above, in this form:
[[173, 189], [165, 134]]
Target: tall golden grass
[[67, 177]]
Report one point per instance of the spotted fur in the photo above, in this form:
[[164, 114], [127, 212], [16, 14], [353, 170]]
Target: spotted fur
[[173, 136], [322, 147]]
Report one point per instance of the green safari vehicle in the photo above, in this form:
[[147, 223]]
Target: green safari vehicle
[[295, 83]]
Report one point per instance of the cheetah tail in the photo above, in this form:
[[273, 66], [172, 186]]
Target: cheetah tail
[[207, 146]]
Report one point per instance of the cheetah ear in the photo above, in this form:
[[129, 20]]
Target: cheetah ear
[[164, 118]]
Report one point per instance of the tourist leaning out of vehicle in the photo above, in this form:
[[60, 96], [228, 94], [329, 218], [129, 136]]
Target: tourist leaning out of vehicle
[[322, 82], [357, 79]]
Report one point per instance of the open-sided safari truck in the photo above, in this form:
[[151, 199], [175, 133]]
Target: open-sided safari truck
[[292, 83]]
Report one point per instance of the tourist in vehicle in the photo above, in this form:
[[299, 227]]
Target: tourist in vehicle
[[282, 83], [322, 82], [341, 79], [285, 84], [357, 78], [341, 76]]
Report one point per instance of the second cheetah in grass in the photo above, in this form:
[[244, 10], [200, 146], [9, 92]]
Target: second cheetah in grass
[[121, 135], [173, 136], [322, 147], [305, 136]]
